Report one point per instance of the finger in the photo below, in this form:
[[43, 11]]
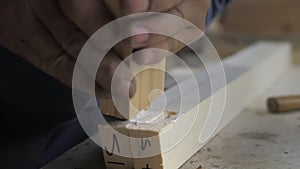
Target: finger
[[143, 39], [136, 6], [126, 47], [125, 85], [193, 11], [88, 15], [157, 23], [53, 60], [115, 7], [63, 30], [172, 44], [161, 6], [144, 57], [52, 17], [37, 46]]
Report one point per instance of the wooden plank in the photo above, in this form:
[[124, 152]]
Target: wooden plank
[[252, 140], [257, 138], [147, 80], [259, 60], [249, 73]]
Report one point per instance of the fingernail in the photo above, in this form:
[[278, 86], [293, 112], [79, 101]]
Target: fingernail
[[134, 6], [144, 57], [141, 35]]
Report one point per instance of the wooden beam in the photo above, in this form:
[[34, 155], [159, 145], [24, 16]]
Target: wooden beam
[[147, 81], [248, 74]]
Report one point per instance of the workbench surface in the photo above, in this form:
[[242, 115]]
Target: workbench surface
[[255, 139]]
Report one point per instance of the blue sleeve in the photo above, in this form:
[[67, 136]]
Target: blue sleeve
[[217, 6]]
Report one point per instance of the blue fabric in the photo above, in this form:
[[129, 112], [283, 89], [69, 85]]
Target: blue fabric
[[217, 6], [62, 138], [32, 105]]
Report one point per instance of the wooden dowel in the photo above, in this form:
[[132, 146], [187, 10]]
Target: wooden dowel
[[283, 104]]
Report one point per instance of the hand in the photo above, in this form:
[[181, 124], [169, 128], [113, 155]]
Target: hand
[[50, 34], [192, 10]]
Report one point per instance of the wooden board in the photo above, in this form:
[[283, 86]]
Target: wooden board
[[249, 73], [257, 138], [252, 140]]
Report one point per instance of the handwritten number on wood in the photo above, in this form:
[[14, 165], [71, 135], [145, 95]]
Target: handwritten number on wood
[[115, 144], [147, 167], [115, 163], [144, 143]]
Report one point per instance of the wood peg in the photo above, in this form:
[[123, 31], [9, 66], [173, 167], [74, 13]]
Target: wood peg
[[283, 103]]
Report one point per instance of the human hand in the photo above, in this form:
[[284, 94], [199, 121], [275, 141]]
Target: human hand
[[193, 11], [50, 34]]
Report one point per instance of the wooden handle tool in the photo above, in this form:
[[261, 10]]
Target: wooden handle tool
[[283, 103]]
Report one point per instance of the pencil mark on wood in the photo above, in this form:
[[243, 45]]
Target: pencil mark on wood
[[115, 144], [144, 143], [116, 163], [147, 167]]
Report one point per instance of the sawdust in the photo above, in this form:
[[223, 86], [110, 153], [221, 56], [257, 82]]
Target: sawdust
[[171, 114]]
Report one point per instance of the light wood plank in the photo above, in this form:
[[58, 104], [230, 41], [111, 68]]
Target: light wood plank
[[249, 73]]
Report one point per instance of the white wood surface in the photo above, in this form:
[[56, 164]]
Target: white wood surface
[[255, 139], [254, 73]]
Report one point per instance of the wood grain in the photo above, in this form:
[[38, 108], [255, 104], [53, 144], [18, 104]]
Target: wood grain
[[147, 79]]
